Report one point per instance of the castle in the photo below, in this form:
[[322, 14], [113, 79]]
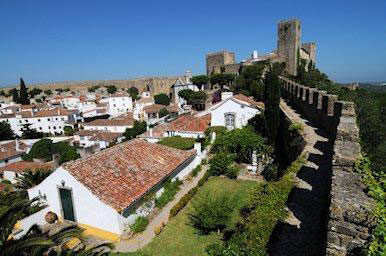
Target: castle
[[289, 50]]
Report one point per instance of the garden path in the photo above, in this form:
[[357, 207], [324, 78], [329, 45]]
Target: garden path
[[145, 237]]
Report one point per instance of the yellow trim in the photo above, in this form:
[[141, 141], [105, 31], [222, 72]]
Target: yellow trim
[[103, 234], [17, 225]]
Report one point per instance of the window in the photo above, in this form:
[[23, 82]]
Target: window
[[39, 120], [20, 121], [230, 120], [62, 118], [54, 127], [56, 119], [40, 128], [49, 119]]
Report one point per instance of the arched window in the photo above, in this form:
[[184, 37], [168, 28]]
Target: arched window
[[230, 120]]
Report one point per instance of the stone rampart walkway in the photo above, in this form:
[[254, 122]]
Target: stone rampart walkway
[[145, 237], [305, 230]]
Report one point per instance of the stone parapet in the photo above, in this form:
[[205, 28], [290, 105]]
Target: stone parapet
[[350, 217]]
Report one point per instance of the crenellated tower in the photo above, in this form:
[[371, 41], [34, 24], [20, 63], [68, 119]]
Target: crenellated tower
[[216, 60]]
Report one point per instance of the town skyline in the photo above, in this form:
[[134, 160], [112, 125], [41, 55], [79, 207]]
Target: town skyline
[[108, 42]]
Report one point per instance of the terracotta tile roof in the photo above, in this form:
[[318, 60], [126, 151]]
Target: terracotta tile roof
[[207, 118], [106, 136], [102, 104], [52, 112], [122, 174], [118, 121], [154, 108], [12, 107], [119, 94], [86, 132], [172, 108], [184, 123], [27, 106], [8, 150], [249, 100], [6, 116], [22, 166], [145, 100], [25, 114]]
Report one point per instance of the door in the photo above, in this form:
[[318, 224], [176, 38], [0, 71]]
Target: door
[[67, 206]]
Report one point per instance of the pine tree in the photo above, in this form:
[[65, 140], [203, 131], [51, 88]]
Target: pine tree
[[24, 100]]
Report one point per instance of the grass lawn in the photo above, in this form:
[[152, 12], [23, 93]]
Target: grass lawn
[[179, 238]]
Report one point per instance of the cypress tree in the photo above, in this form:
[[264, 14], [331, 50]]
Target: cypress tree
[[24, 100], [272, 102]]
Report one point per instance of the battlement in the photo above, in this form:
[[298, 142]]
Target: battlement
[[350, 217], [222, 52], [291, 20], [308, 44]]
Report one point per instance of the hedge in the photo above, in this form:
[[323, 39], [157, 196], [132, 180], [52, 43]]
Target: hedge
[[178, 142], [186, 198]]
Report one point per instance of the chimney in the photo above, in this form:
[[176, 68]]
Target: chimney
[[226, 95], [58, 112], [151, 131], [55, 159], [17, 145], [197, 147]]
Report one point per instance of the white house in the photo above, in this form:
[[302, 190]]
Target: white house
[[100, 139], [11, 152], [118, 104], [144, 101], [46, 120], [182, 84], [117, 124], [234, 111], [104, 192], [151, 114]]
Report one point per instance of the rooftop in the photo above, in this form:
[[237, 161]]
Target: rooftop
[[22, 166], [122, 174]]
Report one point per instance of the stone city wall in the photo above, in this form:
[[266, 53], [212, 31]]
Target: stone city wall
[[350, 218], [156, 84]]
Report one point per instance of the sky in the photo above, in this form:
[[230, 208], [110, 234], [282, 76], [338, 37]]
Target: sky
[[54, 41]]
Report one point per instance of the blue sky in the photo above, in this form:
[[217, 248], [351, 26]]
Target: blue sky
[[52, 40]]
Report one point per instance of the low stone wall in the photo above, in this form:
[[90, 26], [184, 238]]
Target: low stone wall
[[350, 218]]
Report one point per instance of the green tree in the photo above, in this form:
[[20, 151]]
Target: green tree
[[220, 79], [138, 128], [162, 99], [66, 152], [66, 90], [220, 163], [47, 92], [134, 93], [59, 90], [211, 212], [24, 99], [30, 133], [31, 178], [68, 131], [93, 88], [15, 95], [196, 99], [34, 92], [200, 81], [2, 93], [163, 112], [111, 89], [6, 132], [272, 101]]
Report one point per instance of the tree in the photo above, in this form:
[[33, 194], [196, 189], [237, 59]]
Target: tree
[[211, 212], [134, 93], [47, 92], [162, 99], [111, 89], [24, 99], [34, 92], [66, 152], [200, 81], [138, 128], [29, 133], [59, 90], [66, 90], [93, 88], [6, 132], [163, 112], [31, 178], [68, 131], [2, 93], [272, 101], [220, 79], [15, 95], [196, 99], [220, 163]]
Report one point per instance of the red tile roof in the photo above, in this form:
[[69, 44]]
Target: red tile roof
[[249, 100], [154, 108], [122, 174], [106, 136], [118, 121], [22, 166], [8, 150], [52, 112]]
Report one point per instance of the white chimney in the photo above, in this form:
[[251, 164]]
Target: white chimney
[[197, 147], [151, 132], [17, 145], [226, 95]]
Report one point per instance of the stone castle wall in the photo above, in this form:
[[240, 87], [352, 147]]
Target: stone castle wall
[[350, 218], [215, 60], [156, 84], [288, 44]]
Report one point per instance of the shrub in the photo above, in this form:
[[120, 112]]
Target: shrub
[[162, 99], [296, 127], [219, 130], [170, 190], [163, 112], [241, 143], [139, 224], [203, 179], [220, 163], [232, 172], [183, 202], [68, 130], [270, 173], [158, 230], [178, 142], [211, 212], [196, 171]]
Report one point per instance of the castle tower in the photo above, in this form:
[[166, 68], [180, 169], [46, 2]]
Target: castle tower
[[310, 48], [214, 61], [288, 44]]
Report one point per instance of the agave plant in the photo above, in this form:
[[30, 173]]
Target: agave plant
[[31, 178], [35, 241]]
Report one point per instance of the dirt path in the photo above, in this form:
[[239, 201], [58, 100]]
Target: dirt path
[[305, 231], [145, 237]]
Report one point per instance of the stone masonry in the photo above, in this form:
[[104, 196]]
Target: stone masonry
[[350, 219]]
